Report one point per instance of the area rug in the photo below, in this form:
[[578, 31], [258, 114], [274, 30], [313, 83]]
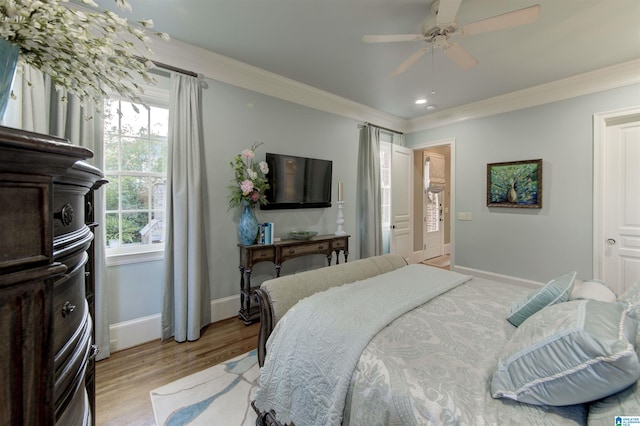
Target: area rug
[[220, 395]]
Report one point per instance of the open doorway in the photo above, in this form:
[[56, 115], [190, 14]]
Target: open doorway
[[433, 203]]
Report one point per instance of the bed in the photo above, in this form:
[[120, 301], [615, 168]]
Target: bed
[[412, 344]]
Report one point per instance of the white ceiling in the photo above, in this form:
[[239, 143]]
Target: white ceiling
[[318, 43]]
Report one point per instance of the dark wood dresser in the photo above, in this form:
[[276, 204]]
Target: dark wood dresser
[[46, 285]]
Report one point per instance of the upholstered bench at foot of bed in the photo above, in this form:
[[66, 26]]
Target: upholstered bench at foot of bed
[[278, 295]]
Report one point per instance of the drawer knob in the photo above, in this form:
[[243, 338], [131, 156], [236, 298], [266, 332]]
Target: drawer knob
[[95, 350], [264, 254], [65, 215], [320, 247], [292, 251], [67, 308]]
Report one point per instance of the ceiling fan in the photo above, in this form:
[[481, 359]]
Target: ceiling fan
[[437, 34]]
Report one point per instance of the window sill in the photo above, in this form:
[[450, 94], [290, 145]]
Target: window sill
[[134, 256]]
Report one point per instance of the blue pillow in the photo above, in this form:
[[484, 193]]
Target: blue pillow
[[569, 353], [555, 291]]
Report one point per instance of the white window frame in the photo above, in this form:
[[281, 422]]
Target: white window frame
[[158, 97]]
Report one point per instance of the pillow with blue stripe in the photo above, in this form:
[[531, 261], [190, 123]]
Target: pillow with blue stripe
[[555, 291], [569, 353]]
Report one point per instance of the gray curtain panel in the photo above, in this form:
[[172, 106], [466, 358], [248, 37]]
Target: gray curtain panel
[[369, 194], [186, 301]]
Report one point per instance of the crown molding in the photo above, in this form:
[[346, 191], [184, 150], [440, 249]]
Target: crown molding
[[612, 77], [230, 71]]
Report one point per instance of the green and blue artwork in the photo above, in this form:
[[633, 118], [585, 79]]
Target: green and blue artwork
[[515, 184]]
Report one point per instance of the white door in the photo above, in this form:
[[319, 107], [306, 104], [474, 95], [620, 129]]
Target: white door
[[619, 240], [401, 175], [432, 207]]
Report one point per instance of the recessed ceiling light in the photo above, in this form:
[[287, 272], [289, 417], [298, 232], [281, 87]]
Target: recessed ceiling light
[[421, 101], [430, 107]]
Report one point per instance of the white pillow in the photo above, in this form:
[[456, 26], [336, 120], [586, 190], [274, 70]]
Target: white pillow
[[632, 298], [569, 353], [593, 290]]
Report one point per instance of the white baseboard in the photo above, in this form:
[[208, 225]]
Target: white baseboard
[[128, 334], [498, 277], [224, 308]]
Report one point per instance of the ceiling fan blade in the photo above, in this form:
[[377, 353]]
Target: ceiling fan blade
[[507, 20], [447, 10], [392, 37], [409, 61], [460, 56]]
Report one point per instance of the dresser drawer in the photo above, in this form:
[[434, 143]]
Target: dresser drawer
[[70, 373], [24, 221], [78, 412], [68, 208], [70, 248], [69, 305]]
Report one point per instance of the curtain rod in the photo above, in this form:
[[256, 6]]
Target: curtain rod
[[175, 69], [365, 124]]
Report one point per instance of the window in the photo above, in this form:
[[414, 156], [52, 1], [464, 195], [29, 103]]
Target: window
[[432, 200], [135, 164]]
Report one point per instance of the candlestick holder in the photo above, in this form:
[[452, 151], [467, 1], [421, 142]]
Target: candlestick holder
[[340, 220]]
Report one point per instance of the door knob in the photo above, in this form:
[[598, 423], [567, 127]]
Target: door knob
[[611, 242]]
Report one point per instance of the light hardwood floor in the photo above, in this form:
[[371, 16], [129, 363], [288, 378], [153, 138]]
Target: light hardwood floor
[[124, 380], [439, 262]]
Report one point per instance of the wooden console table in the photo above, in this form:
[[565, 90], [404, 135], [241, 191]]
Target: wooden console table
[[278, 253]]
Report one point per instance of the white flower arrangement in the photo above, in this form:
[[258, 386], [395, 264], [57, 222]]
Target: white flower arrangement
[[87, 53]]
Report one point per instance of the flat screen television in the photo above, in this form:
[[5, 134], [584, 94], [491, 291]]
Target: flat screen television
[[297, 182]]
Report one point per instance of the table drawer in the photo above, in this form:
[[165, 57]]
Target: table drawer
[[300, 250], [268, 253], [338, 244]]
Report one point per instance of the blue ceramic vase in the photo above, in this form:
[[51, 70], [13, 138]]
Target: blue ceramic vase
[[247, 225], [8, 60]]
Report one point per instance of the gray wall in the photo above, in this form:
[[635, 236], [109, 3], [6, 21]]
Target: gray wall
[[535, 244], [235, 118]]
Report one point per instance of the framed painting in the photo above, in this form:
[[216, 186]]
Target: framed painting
[[515, 184]]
